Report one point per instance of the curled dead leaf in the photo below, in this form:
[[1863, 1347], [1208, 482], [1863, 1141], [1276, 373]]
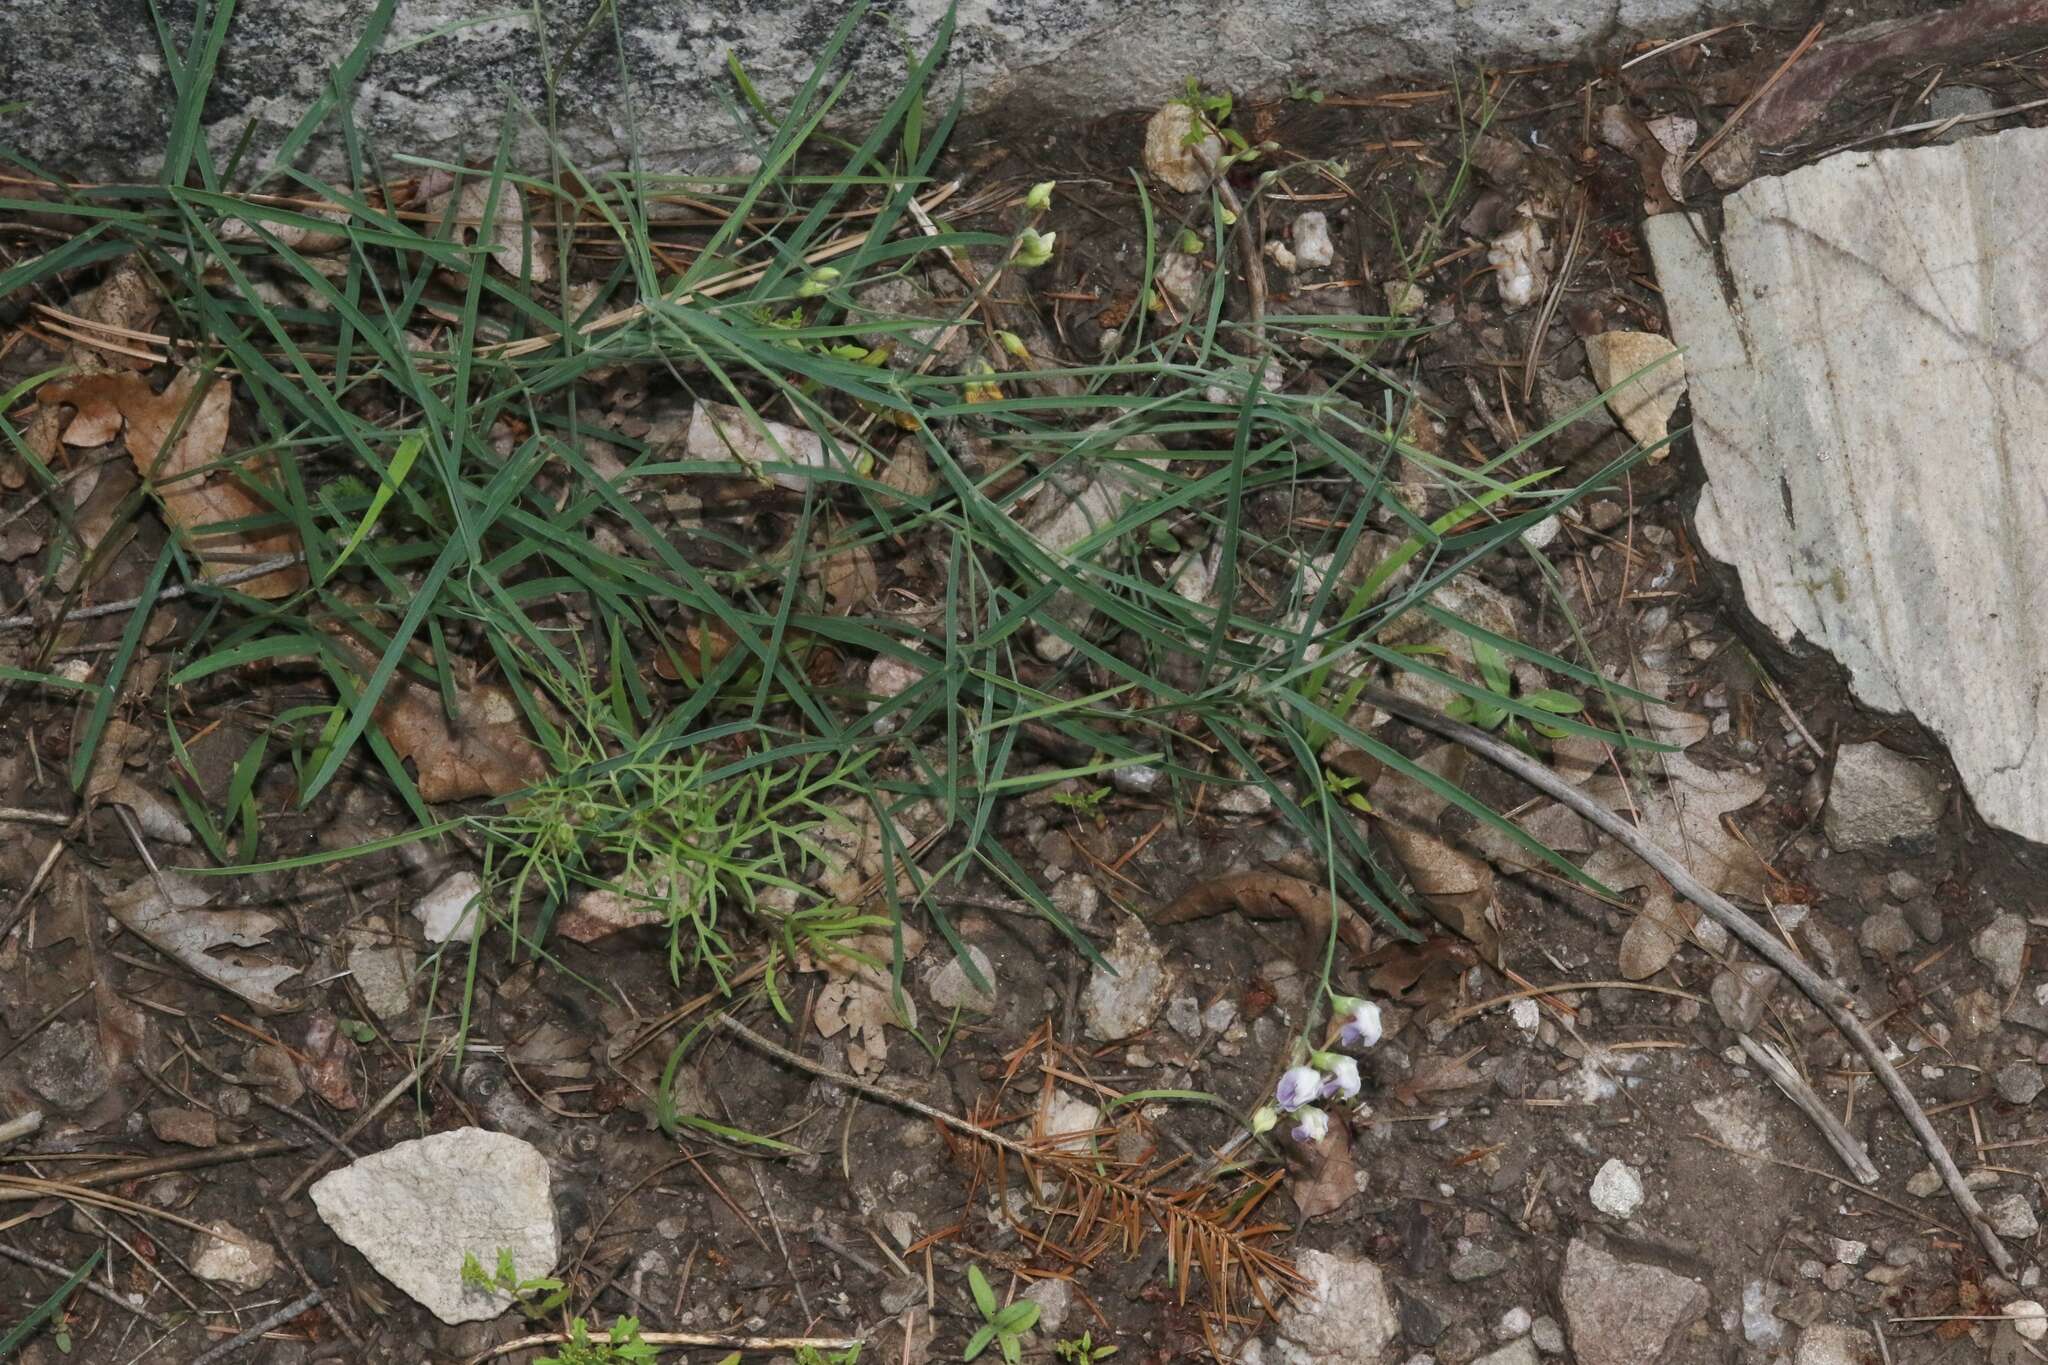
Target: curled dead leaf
[[515, 252], [329, 1062], [1274, 895], [1656, 934], [168, 912], [187, 475], [1332, 1178]]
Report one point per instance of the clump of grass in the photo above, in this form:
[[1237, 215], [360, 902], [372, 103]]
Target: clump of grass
[[429, 397]]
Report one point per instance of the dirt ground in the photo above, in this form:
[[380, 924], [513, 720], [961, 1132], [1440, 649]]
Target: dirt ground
[[1485, 1127]]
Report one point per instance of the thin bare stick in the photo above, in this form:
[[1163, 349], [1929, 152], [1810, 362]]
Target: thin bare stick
[[368, 1116], [704, 1339], [22, 816], [90, 1286], [170, 594], [1778, 1067], [1241, 228], [1812, 35], [1837, 1003], [242, 1341], [20, 1126]]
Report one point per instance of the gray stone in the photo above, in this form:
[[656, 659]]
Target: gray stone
[[1477, 1263], [1926, 919], [1519, 1352], [1549, 1336], [1741, 993], [1886, 933], [2002, 946], [950, 987], [227, 1255], [1867, 421], [1055, 1300], [1622, 1313], [1903, 885], [97, 100], [67, 1068], [1312, 246], [1122, 1002], [414, 1211], [2012, 1216], [1829, 1343], [1617, 1190], [1879, 799], [1960, 101], [1344, 1316], [2018, 1082], [382, 967]]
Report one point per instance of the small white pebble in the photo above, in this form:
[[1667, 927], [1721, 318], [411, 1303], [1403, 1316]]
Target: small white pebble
[[2029, 1318], [1513, 1323], [1526, 1014], [1617, 1190]]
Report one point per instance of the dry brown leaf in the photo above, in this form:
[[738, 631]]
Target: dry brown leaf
[[509, 242], [858, 998], [1656, 934], [483, 750], [1332, 1180], [274, 1074], [330, 1062], [637, 901], [174, 921], [123, 1028], [1273, 895], [1685, 816], [196, 490], [849, 579], [295, 236]]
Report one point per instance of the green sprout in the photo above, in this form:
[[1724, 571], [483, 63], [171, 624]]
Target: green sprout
[[1005, 1326]]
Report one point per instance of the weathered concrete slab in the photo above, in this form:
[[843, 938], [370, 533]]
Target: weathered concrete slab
[[91, 76], [1867, 350]]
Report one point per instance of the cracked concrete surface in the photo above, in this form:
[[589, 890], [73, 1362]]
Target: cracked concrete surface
[[1870, 388]]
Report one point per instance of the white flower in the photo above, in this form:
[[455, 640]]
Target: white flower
[[1311, 1125], [1362, 1026], [1297, 1087], [1341, 1074]]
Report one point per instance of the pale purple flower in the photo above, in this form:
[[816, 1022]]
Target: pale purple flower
[[1310, 1124], [1297, 1087], [1362, 1026], [1340, 1074]]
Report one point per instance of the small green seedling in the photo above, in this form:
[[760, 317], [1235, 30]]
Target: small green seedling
[[1493, 672], [1082, 1350], [535, 1297], [1005, 1326], [811, 1355], [1082, 803], [620, 1345], [1212, 115]]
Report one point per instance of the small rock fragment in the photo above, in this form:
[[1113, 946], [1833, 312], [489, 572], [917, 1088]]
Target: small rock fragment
[[1926, 918], [1184, 1016], [1617, 1189], [416, 1209], [1760, 1326], [1312, 246], [1881, 800], [1548, 1335], [186, 1127], [66, 1067], [1513, 1323], [2002, 946], [233, 1257], [950, 987], [1830, 1343], [2013, 1216], [1345, 1316], [449, 910], [1170, 157], [1123, 1003], [1923, 1183], [1476, 1263], [382, 968], [1624, 1313], [1741, 993], [2029, 1318], [1519, 1352], [1848, 1251], [1404, 299], [1055, 1299], [1642, 405], [1885, 933], [2018, 1082]]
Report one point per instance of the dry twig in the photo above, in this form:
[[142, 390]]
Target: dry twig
[[1836, 1003]]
